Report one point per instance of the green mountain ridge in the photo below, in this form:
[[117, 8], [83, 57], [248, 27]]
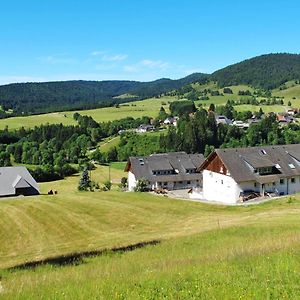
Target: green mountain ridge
[[267, 71], [31, 98]]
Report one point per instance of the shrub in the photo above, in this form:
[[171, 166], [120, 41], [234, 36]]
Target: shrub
[[123, 183], [141, 186], [107, 185]]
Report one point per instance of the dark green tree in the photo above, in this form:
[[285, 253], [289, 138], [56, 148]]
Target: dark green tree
[[84, 181]]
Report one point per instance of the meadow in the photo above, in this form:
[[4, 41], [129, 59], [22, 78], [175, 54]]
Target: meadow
[[137, 109], [150, 107], [184, 250]]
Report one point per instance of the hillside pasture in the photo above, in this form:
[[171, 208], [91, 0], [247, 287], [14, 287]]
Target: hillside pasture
[[265, 108], [37, 120], [241, 262], [201, 251], [292, 91], [137, 109]]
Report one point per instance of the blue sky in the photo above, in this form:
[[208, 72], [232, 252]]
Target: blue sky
[[46, 40]]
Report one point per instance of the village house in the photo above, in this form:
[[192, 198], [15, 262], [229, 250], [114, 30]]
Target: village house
[[223, 120], [292, 111], [233, 175], [15, 181], [171, 121], [241, 124], [285, 118], [170, 171], [145, 128]]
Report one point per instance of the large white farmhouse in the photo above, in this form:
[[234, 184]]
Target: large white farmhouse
[[176, 170], [229, 175]]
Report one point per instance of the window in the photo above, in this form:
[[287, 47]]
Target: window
[[291, 166], [255, 184], [281, 181], [293, 180], [266, 170], [263, 152], [273, 183], [188, 182]]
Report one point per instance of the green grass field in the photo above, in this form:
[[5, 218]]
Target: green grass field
[[292, 91], [149, 107], [108, 143], [204, 251]]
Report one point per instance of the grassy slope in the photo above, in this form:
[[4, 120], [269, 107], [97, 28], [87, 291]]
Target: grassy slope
[[293, 91], [207, 252], [254, 262], [109, 142], [149, 107], [204, 250]]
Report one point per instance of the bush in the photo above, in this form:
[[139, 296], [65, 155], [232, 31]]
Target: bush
[[123, 183], [141, 186], [227, 91], [179, 108], [107, 185]]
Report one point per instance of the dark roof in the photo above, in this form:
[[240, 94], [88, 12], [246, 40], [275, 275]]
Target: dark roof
[[176, 162], [15, 177], [240, 162]]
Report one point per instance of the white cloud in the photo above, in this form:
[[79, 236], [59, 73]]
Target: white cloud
[[117, 57], [147, 64], [98, 53], [56, 59], [105, 56], [154, 64]]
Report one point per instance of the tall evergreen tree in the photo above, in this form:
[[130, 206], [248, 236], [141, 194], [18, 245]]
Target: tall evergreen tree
[[84, 181]]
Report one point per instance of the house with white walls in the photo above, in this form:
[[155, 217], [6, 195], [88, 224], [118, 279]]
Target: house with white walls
[[174, 170], [232, 175]]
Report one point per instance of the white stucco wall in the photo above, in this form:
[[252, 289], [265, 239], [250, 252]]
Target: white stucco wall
[[294, 187], [219, 187], [223, 188], [131, 181]]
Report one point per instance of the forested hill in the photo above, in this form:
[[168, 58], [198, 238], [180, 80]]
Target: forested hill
[[31, 98], [266, 71]]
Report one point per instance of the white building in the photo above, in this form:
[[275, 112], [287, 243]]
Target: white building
[[145, 128], [233, 175], [171, 121], [223, 120], [175, 170]]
